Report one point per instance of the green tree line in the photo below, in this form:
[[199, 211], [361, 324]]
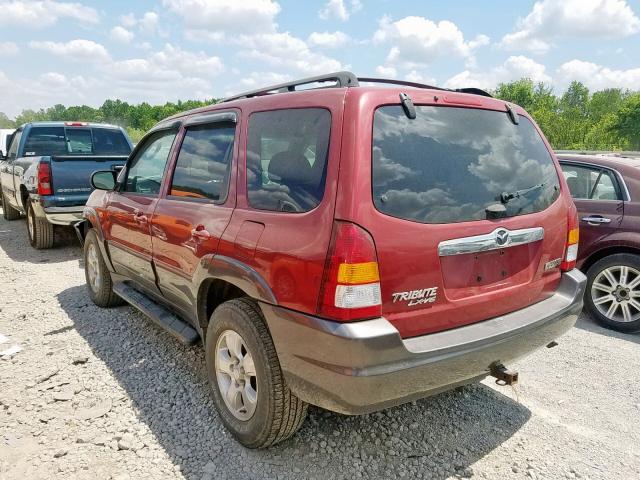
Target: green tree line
[[577, 119]]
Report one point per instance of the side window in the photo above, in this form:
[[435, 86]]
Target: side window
[[13, 148], [145, 172], [204, 163], [287, 159], [590, 183]]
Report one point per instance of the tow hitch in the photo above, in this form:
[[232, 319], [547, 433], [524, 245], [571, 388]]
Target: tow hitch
[[503, 375]]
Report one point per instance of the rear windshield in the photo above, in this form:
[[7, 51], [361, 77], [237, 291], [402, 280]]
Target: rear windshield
[[75, 141], [449, 164]]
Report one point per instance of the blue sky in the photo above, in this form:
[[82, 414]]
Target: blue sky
[[76, 52]]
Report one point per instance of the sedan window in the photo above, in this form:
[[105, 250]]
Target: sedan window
[[590, 183]]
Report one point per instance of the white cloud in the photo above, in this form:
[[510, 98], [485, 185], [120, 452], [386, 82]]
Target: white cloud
[[214, 18], [285, 50], [328, 39], [78, 50], [597, 77], [121, 34], [262, 79], [414, 76], [149, 22], [514, 68], [129, 20], [40, 14], [551, 19], [8, 49], [339, 10], [417, 41], [385, 71]]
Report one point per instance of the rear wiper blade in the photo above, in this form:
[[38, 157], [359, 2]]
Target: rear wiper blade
[[506, 196]]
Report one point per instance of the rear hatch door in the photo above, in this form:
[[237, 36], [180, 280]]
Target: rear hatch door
[[468, 219]]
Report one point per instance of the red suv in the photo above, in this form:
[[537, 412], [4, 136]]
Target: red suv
[[349, 246]]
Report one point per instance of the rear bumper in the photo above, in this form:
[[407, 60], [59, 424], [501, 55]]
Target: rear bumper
[[58, 215], [356, 368]]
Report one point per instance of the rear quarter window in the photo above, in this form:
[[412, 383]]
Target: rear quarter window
[[448, 164], [287, 159]]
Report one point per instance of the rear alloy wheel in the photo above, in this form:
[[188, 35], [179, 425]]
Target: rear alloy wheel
[[249, 390], [8, 212], [39, 229], [613, 292]]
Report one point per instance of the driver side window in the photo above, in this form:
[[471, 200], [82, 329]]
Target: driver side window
[[146, 170]]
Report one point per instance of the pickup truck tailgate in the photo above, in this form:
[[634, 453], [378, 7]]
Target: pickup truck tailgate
[[71, 176]]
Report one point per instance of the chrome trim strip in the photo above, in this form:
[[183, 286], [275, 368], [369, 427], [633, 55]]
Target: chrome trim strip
[[490, 241]]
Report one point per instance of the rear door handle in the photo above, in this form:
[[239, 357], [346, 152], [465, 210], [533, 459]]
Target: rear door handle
[[596, 219], [200, 232]]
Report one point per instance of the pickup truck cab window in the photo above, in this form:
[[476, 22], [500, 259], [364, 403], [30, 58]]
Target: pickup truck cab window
[[45, 141], [203, 164], [145, 172]]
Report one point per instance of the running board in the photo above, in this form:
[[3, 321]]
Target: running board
[[159, 314]]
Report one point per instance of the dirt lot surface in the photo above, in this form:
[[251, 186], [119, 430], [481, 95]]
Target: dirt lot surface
[[98, 394]]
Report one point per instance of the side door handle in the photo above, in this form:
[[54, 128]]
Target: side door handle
[[140, 217], [596, 219], [200, 232]]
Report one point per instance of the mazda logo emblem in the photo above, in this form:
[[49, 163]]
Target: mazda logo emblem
[[502, 237]]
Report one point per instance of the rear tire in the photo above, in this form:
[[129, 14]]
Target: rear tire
[[40, 231], [267, 412], [613, 302], [8, 212], [97, 274]]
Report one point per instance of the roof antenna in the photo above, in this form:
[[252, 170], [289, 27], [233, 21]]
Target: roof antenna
[[407, 106]]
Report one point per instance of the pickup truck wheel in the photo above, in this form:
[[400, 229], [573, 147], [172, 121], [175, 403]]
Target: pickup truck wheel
[[97, 275], [249, 390], [8, 212], [613, 292], [40, 231]]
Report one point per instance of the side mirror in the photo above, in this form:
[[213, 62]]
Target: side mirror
[[2, 157], [104, 180]]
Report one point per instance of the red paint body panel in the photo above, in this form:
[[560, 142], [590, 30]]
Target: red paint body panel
[[288, 250]]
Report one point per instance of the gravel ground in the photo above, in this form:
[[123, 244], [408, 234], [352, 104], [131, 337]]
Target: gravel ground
[[99, 394]]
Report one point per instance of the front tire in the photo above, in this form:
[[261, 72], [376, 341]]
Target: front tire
[[613, 292], [97, 274], [8, 212], [40, 231], [249, 390]]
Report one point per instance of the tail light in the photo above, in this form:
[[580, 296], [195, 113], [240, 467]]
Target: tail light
[[44, 179], [351, 282], [571, 248]]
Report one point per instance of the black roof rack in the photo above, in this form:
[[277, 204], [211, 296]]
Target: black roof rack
[[343, 79], [340, 79]]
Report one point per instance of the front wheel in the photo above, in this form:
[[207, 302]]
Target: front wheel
[[97, 274], [39, 229], [613, 292], [8, 212], [249, 390]]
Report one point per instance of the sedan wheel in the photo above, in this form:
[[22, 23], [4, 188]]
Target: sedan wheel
[[614, 292]]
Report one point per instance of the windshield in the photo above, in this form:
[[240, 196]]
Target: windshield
[[75, 141], [449, 164]]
